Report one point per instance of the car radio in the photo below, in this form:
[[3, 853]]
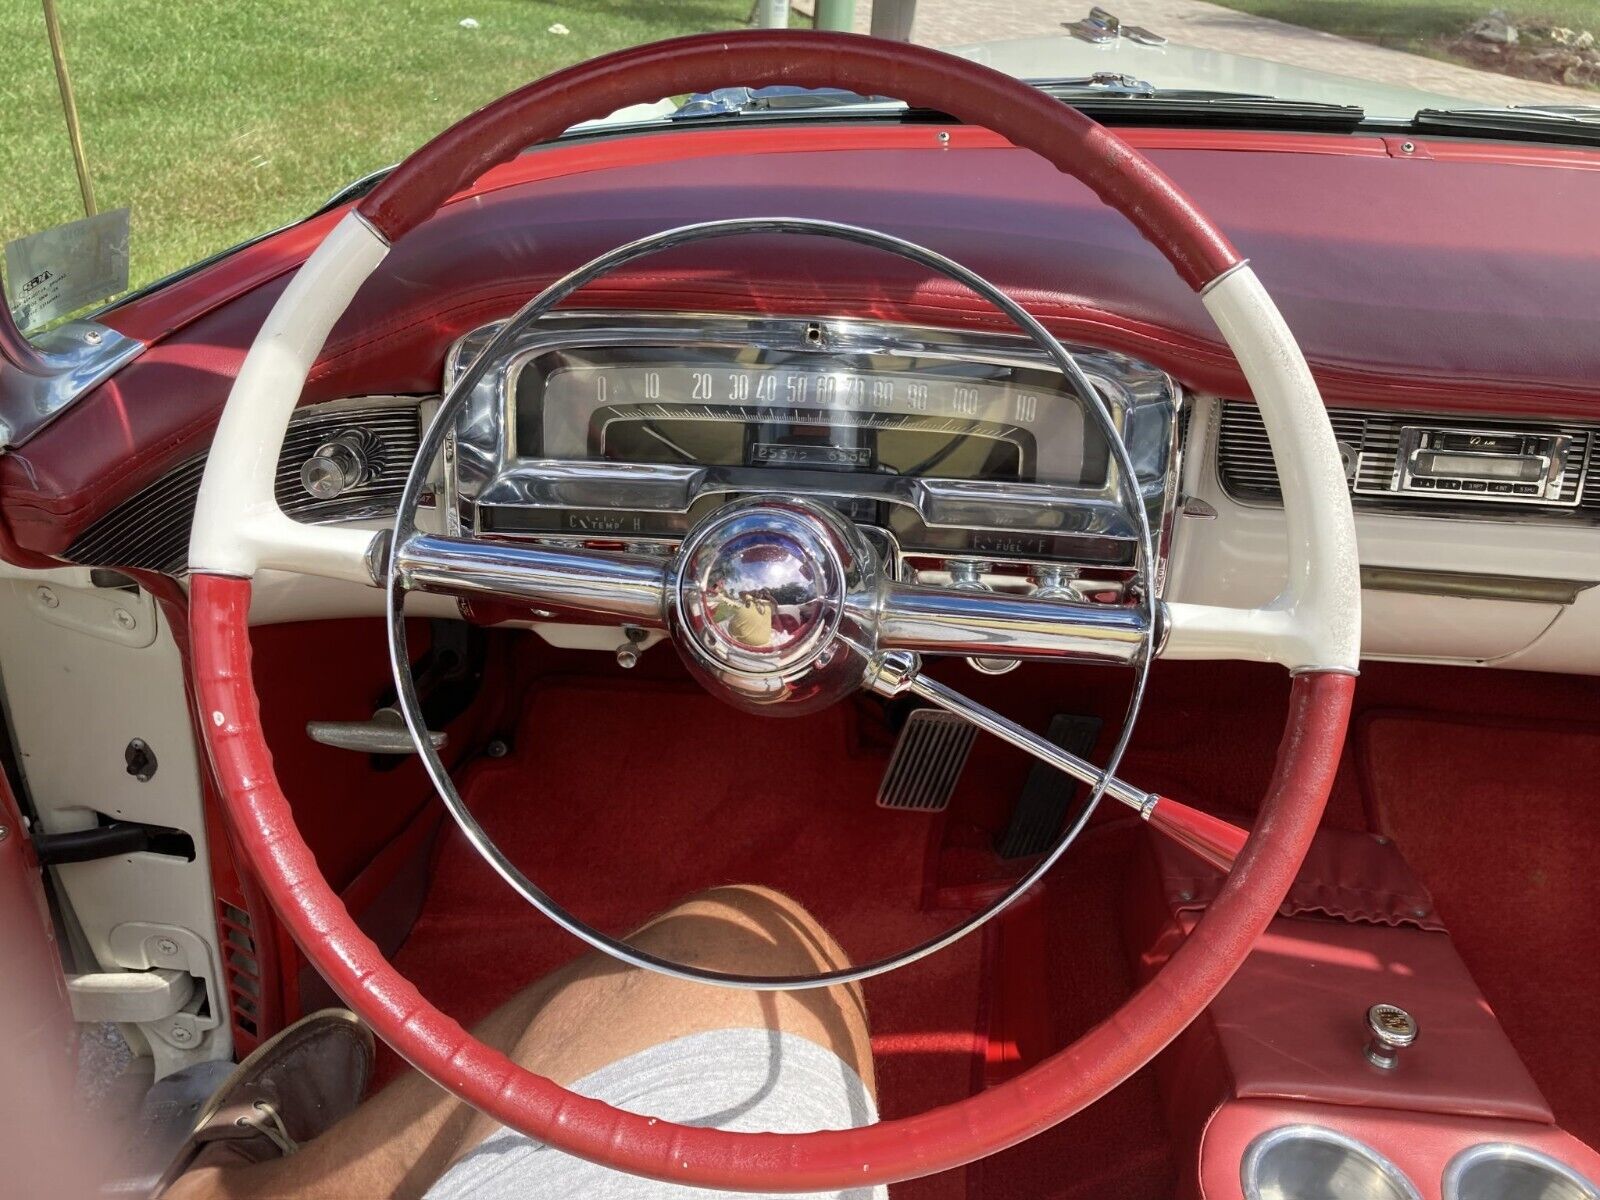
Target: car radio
[[1515, 466]]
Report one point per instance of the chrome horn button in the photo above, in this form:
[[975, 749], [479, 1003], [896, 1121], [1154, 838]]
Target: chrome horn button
[[773, 604], [762, 597]]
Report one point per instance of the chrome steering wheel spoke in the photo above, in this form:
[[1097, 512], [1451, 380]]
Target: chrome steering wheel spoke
[[931, 620], [557, 585]]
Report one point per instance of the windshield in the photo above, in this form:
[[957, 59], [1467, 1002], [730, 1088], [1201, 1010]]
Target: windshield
[[185, 129]]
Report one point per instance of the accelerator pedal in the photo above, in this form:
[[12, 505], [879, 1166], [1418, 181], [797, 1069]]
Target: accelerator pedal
[[927, 761], [1048, 794]]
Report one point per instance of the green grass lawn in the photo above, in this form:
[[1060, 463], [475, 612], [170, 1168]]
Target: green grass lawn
[[1416, 25], [218, 119]]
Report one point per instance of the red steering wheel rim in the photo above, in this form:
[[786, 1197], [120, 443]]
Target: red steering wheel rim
[[263, 822]]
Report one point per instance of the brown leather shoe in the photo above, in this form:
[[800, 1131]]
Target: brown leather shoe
[[292, 1087]]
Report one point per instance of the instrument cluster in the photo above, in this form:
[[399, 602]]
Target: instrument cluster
[[965, 458]]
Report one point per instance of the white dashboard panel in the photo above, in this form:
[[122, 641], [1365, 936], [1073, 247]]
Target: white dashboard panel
[[1237, 558]]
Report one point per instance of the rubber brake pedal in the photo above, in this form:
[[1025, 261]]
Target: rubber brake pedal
[[1048, 794]]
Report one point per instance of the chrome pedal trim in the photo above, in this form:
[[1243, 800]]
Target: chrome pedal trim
[[927, 761]]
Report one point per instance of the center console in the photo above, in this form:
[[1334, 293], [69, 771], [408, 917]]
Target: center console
[[1352, 1057]]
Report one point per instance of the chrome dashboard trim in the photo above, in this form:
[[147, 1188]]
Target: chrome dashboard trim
[[1242, 466], [1470, 585], [150, 527], [484, 470]]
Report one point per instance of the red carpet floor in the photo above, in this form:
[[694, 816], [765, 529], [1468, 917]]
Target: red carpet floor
[[1503, 821], [689, 793]]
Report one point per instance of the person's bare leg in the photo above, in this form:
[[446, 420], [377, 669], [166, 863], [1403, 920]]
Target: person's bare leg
[[592, 1012]]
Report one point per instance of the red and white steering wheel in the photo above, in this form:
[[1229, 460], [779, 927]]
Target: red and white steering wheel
[[1312, 628]]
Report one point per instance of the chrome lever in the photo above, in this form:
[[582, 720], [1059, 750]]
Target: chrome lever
[[1213, 839], [385, 733], [900, 672]]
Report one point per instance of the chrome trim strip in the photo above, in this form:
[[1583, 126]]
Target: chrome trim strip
[[1455, 1173], [76, 357], [992, 624], [1468, 585]]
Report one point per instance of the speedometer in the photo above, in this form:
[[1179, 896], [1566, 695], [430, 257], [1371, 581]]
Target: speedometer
[[879, 416]]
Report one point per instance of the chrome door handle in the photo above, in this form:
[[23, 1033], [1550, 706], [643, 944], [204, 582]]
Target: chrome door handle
[[385, 733]]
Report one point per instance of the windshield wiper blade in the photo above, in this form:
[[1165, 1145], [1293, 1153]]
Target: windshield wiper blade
[[1101, 83], [1224, 109], [1554, 122]]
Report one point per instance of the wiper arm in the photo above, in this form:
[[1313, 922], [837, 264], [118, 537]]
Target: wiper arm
[[1101, 83], [1222, 109], [780, 98]]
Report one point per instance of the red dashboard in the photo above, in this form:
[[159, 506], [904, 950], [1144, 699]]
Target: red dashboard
[[1462, 276]]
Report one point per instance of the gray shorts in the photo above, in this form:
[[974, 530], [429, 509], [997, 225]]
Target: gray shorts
[[745, 1080]]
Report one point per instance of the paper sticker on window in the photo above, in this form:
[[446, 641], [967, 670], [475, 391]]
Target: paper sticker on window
[[58, 271]]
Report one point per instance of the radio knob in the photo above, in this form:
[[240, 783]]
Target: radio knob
[[342, 463]]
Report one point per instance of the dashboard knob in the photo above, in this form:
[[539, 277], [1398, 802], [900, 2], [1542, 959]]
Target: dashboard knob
[[341, 463], [966, 575], [1054, 582]]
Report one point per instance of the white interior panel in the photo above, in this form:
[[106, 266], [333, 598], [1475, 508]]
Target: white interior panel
[[75, 698], [1238, 557]]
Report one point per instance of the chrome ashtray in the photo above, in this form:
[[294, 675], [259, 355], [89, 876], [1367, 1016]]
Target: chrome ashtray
[[1309, 1162], [1505, 1171]]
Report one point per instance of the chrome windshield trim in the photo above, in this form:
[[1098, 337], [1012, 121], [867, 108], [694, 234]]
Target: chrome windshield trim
[[70, 360]]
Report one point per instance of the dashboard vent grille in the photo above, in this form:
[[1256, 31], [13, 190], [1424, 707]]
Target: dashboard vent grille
[[1372, 439], [150, 529]]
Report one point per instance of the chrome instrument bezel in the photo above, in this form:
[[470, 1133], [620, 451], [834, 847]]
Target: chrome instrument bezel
[[483, 472]]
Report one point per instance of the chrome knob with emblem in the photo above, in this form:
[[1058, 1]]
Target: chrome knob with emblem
[[342, 463], [1392, 1030]]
